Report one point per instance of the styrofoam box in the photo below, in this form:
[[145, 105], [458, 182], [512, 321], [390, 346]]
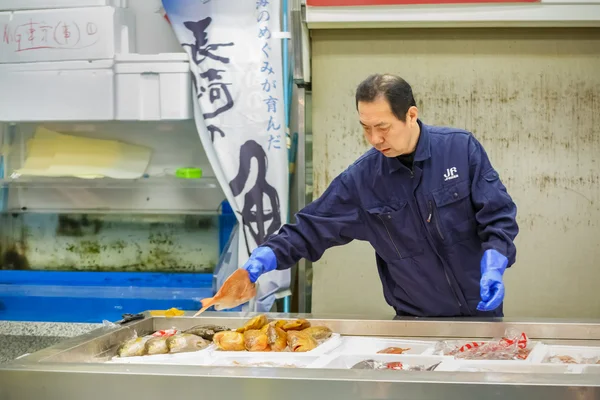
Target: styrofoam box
[[581, 354], [273, 360], [369, 345], [345, 361], [88, 33], [153, 87], [12, 5], [54, 91], [325, 347]]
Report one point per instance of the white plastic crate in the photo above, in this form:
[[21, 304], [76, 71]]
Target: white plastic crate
[[55, 91], [153, 87], [13, 5], [369, 345], [67, 34]]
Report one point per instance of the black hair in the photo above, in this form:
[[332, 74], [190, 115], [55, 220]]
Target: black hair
[[394, 89]]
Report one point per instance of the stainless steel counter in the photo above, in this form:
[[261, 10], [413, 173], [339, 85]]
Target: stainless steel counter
[[76, 367]]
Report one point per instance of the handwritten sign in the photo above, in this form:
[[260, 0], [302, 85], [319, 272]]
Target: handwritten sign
[[56, 35], [36, 35]]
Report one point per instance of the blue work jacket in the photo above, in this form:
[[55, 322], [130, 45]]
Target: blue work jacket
[[429, 226]]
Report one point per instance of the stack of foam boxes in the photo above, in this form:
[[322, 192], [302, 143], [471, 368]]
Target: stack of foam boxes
[[75, 60]]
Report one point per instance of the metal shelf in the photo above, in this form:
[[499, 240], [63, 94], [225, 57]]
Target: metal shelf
[[110, 183]]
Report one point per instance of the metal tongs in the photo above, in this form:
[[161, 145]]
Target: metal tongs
[[130, 317]]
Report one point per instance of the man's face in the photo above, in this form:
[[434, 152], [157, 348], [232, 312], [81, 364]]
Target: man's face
[[384, 131]]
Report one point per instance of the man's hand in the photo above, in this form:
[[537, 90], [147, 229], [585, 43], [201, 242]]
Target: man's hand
[[260, 262], [493, 265]]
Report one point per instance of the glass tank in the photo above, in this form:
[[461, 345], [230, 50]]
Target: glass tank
[[58, 214], [109, 242]]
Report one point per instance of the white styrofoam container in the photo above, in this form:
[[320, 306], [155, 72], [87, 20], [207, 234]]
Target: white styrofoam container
[[55, 91], [272, 360], [517, 367], [369, 345], [153, 87], [591, 369], [66, 34], [586, 355], [345, 361], [12, 5], [201, 357]]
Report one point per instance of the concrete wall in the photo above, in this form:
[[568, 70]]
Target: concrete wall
[[532, 97]]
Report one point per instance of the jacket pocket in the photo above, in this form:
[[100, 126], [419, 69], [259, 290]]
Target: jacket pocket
[[452, 213], [397, 234]]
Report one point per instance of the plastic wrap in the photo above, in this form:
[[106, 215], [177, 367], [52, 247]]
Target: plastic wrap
[[513, 346], [165, 333]]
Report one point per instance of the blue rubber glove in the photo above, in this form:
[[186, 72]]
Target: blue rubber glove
[[261, 261], [493, 265]]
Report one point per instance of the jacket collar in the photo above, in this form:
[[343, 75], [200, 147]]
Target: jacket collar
[[422, 152]]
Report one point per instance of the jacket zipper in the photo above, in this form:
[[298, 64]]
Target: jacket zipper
[[390, 235], [437, 226]]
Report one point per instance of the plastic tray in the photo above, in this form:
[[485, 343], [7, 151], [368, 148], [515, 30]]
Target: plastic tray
[[269, 360], [367, 345], [346, 361], [580, 354], [324, 348]]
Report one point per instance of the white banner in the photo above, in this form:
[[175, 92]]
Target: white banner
[[235, 53]]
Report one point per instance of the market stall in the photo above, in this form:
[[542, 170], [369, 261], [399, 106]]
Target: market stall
[[348, 359]]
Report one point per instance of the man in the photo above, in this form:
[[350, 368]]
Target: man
[[426, 198]]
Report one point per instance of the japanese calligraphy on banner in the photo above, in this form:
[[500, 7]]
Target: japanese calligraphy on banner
[[236, 70], [345, 3]]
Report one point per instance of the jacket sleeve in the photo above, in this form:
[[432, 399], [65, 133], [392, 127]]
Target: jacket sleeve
[[495, 210], [331, 220]]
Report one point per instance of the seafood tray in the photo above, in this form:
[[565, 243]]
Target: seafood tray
[[568, 355], [324, 347], [394, 361], [269, 360], [462, 350], [368, 345], [200, 357]]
